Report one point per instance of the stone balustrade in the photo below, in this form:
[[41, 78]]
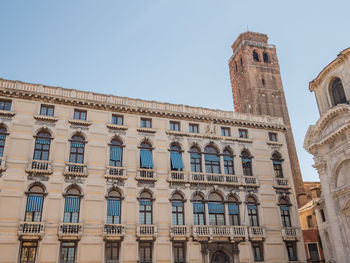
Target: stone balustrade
[[256, 232], [289, 233], [146, 232], [218, 232], [113, 231], [179, 232], [32, 229], [70, 231], [281, 183], [146, 175], [114, 172], [39, 167], [76, 170]]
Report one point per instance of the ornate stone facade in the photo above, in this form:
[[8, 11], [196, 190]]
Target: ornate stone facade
[[329, 142]]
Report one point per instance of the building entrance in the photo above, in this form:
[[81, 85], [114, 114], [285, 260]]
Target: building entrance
[[220, 257]]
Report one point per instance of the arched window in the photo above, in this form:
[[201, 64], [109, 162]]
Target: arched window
[[216, 209], [233, 211], [277, 165], [113, 207], [255, 56], [146, 159], [265, 57], [285, 214], [252, 207], [72, 205], [42, 146], [116, 153], [145, 209], [3, 134], [176, 163], [77, 147], [196, 161], [246, 163], [34, 204], [198, 210], [212, 160], [177, 209], [337, 92], [228, 162]]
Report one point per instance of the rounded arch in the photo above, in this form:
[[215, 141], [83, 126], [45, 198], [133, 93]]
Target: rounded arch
[[233, 198], [245, 153], [146, 144], [228, 151], [35, 188], [78, 136], [197, 196], [146, 140], [276, 156], [175, 146], [341, 172], [118, 139], [256, 56], [221, 256], [336, 91], [251, 199], [211, 148], [73, 189], [215, 194], [115, 191], [195, 148], [177, 195], [4, 129], [43, 130], [145, 193], [266, 57]]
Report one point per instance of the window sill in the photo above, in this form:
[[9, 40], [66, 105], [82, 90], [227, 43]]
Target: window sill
[[45, 118], [272, 143], [80, 122], [147, 130], [6, 113], [116, 127]]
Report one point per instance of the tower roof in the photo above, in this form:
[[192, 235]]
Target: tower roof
[[250, 36]]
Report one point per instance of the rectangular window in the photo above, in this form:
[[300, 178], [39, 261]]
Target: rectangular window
[[323, 215], [112, 252], [313, 252], [273, 136], [68, 252], [258, 251], [285, 217], [34, 208], [146, 123], [193, 128], [145, 252], [309, 221], [80, 115], [243, 133], [71, 209], [113, 211], [175, 126], [292, 251], [225, 131], [198, 213], [233, 214], [145, 212], [179, 252], [28, 252], [117, 119], [47, 110], [253, 215], [5, 105]]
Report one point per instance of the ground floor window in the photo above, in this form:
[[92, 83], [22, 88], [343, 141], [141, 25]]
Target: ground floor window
[[28, 252], [145, 252], [292, 251], [68, 250], [313, 252], [112, 252], [179, 252], [258, 251]]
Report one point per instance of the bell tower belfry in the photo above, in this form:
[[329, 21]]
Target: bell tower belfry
[[257, 87]]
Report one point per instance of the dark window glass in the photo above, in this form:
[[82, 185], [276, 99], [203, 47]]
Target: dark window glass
[[77, 150], [265, 57], [198, 213], [292, 251], [2, 141], [28, 252], [116, 153], [47, 110], [212, 160], [247, 164], [255, 56], [193, 128], [258, 251], [80, 115], [196, 160], [337, 92], [323, 215], [67, 252], [228, 162], [253, 217], [285, 216], [309, 221], [313, 252], [273, 136], [175, 126], [117, 119], [5, 105], [277, 165], [146, 123], [243, 133], [177, 212], [112, 252], [233, 214], [216, 213], [145, 212], [179, 252], [225, 131], [42, 146], [263, 81], [145, 252]]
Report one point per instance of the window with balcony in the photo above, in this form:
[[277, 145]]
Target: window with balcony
[[5, 105], [34, 204], [175, 126], [68, 250], [216, 209], [313, 252], [146, 123], [277, 165], [225, 131], [228, 161], [337, 92], [47, 110], [28, 251], [112, 252], [272, 136], [77, 147], [285, 213], [258, 251], [117, 119], [146, 159], [233, 211], [246, 163], [243, 133], [176, 163], [212, 160], [42, 146], [80, 115], [292, 251], [3, 133], [252, 207], [177, 210], [193, 128], [145, 252], [72, 205], [116, 153], [196, 160], [179, 252], [198, 210], [113, 207], [145, 209]]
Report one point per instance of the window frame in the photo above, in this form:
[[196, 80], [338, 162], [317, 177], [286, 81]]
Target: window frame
[[115, 119], [211, 166], [177, 213], [116, 144], [247, 166], [111, 245], [273, 137], [174, 126], [310, 223], [258, 245], [5, 105], [226, 131], [193, 128], [144, 245], [292, 245], [80, 115], [3, 136], [195, 160], [40, 148], [318, 251], [74, 217], [176, 247], [285, 216], [197, 215], [146, 123], [28, 251], [76, 152], [44, 110], [62, 246], [226, 163], [243, 133], [215, 216], [143, 210]]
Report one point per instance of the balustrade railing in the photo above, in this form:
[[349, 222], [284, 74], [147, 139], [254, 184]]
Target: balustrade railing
[[249, 180], [39, 166], [114, 230], [281, 182], [2, 164], [219, 231], [289, 233], [178, 231], [176, 176], [70, 229], [146, 230], [146, 174], [256, 231], [76, 169], [31, 228], [115, 172]]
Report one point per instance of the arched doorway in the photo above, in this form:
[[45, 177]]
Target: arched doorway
[[220, 257]]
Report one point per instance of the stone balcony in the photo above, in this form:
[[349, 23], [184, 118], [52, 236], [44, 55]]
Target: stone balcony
[[2, 164], [281, 183], [113, 232], [256, 233], [179, 233], [146, 232], [290, 233], [115, 173], [70, 231], [146, 175], [219, 233], [250, 181], [210, 178], [177, 177], [76, 170], [39, 167], [31, 230]]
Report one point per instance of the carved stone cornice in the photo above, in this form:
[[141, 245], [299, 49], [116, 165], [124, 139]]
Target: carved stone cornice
[[321, 167], [116, 127], [45, 118], [6, 113]]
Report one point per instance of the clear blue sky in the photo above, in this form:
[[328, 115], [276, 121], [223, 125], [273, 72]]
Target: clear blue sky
[[171, 50]]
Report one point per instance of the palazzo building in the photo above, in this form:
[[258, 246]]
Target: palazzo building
[[93, 178], [329, 142]]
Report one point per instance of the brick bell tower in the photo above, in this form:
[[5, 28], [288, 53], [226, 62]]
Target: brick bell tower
[[257, 88]]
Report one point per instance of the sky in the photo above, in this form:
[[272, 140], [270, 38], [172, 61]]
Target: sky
[[171, 50]]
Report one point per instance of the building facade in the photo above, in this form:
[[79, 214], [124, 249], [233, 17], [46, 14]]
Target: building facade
[[328, 141]]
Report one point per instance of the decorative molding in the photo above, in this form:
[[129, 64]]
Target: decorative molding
[[147, 130], [80, 122], [45, 118], [6, 113], [116, 127]]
